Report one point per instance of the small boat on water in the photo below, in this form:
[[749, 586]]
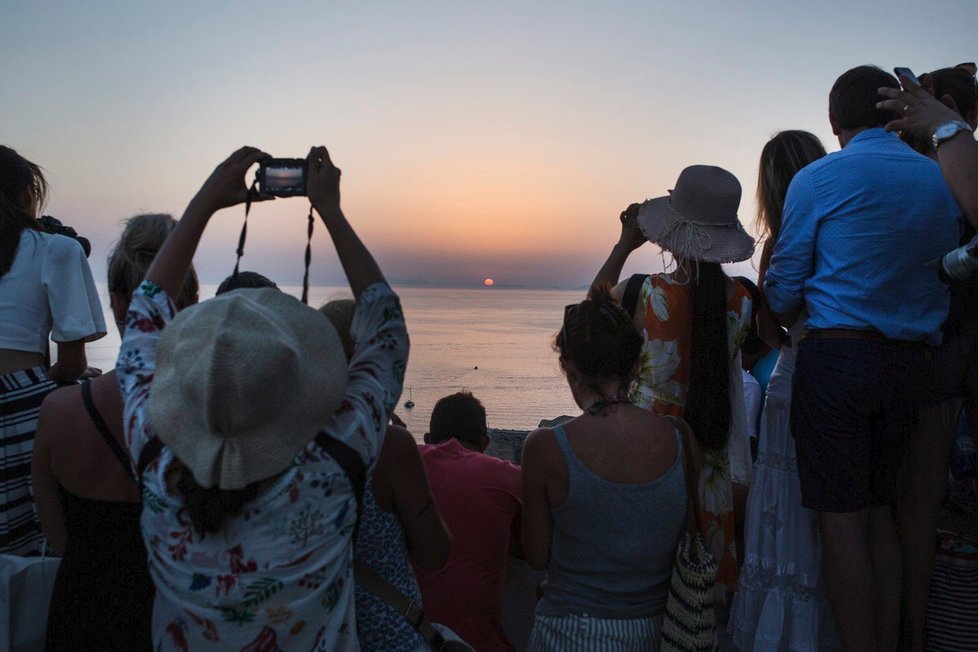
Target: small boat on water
[[408, 404]]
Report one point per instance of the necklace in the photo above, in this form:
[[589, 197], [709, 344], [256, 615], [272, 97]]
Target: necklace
[[603, 404]]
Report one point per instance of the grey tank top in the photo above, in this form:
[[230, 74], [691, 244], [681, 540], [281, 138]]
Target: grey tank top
[[613, 544]]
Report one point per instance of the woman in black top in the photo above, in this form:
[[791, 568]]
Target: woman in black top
[[87, 498]]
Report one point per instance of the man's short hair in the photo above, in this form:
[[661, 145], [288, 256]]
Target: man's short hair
[[245, 280], [853, 98], [461, 416]]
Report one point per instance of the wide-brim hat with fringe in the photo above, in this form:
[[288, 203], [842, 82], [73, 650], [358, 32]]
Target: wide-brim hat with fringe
[[698, 219], [243, 383]]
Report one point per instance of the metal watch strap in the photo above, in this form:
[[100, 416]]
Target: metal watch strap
[[960, 125]]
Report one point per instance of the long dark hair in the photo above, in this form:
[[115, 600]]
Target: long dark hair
[[17, 174], [708, 396], [599, 339]]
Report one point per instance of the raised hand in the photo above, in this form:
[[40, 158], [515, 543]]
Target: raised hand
[[226, 186], [922, 112], [631, 234], [323, 181]]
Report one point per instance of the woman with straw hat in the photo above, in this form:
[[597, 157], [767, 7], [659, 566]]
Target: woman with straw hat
[[242, 413], [693, 321]]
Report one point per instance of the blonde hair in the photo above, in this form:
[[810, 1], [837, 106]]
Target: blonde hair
[[781, 158], [340, 313], [141, 239]]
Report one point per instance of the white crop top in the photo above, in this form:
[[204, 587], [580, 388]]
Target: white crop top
[[49, 289]]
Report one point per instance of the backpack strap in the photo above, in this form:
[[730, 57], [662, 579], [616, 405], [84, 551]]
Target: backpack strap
[[354, 467], [147, 456], [348, 459], [103, 429], [632, 289]]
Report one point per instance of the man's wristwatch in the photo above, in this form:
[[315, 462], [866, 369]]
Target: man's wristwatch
[[947, 131]]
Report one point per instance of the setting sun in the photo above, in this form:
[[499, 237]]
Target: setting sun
[[488, 282]]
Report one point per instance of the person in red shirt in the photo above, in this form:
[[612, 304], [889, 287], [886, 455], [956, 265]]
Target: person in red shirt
[[480, 498]]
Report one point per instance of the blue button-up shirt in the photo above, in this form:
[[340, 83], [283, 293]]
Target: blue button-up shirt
[[858, 229]]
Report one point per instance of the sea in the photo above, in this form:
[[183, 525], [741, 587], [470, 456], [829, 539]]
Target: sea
[[494, 342]]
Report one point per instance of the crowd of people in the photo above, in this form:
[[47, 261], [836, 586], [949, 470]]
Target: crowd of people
[[240, 481]]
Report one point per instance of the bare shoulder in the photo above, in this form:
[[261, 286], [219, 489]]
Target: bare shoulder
[[59, 408], [399, 440], [399, 452], [540, 444]]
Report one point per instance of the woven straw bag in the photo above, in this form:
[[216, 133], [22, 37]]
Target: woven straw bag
[[689, 624]]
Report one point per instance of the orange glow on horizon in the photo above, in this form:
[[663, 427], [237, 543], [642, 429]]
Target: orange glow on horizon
[[489, 282]]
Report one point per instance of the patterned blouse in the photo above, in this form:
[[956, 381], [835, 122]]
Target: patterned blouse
[[279, 575], [662, 383]]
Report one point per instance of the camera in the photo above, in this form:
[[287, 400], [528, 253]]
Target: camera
[[282, 177], [54, 225], [960, 264]]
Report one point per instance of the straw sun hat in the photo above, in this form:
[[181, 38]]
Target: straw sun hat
[[698, 219], [243, 382]]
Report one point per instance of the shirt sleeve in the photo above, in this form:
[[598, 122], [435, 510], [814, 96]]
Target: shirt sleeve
[[76, 312], [793, 259], [149, 311], [375, 376]]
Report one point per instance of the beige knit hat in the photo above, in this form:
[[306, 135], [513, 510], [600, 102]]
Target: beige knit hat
[[243, 382], [698, 219]]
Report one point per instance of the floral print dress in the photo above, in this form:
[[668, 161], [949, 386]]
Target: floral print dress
[[278, 576], [661, 387]]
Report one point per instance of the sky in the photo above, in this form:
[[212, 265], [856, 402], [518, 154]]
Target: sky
[[477, 139]]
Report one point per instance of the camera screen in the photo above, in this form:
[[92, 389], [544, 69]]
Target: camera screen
[[289, 177]]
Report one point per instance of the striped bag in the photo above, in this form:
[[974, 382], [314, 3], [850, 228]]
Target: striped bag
[[952, 607], [690, 623]]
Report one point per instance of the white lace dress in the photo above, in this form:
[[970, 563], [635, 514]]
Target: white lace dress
[[780, 604]]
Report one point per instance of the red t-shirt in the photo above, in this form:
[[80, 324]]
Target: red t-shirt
[[480, 499]]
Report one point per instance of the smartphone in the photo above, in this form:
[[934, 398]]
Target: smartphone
[[906, 72], [283, 177]]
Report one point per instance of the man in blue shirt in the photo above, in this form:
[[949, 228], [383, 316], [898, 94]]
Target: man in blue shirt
[[859, 228]]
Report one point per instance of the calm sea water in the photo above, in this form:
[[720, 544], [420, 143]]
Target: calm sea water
[[493, 342]]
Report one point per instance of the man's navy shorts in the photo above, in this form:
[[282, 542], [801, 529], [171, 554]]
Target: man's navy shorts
[[854, 406]]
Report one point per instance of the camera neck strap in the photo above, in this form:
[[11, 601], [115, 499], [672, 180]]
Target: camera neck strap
[[252, 193]]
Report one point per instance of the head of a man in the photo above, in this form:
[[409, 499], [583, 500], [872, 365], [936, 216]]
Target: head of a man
[[460, 416], [853, 98]]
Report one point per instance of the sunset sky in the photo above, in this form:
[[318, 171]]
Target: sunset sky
[[477, 140]]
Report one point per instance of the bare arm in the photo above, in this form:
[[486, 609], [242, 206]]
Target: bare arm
[[48, 504], [324, 193], [537, 524], [400, 465], [225, 187], [631, 238], [71, 362], [958, 157]]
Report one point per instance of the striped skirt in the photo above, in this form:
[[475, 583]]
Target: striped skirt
[[573, 633], [21, 393]]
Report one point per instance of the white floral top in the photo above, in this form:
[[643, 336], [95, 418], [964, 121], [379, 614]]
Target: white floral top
[[278, 577]]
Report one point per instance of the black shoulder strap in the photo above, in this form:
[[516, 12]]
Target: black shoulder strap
[[630, 300], [150, 452], [103, 429], [352, 464]]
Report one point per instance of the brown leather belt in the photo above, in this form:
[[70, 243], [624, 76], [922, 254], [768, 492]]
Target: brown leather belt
[[843, 334]]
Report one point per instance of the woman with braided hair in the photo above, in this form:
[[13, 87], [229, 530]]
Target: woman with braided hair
[[693, 321]]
